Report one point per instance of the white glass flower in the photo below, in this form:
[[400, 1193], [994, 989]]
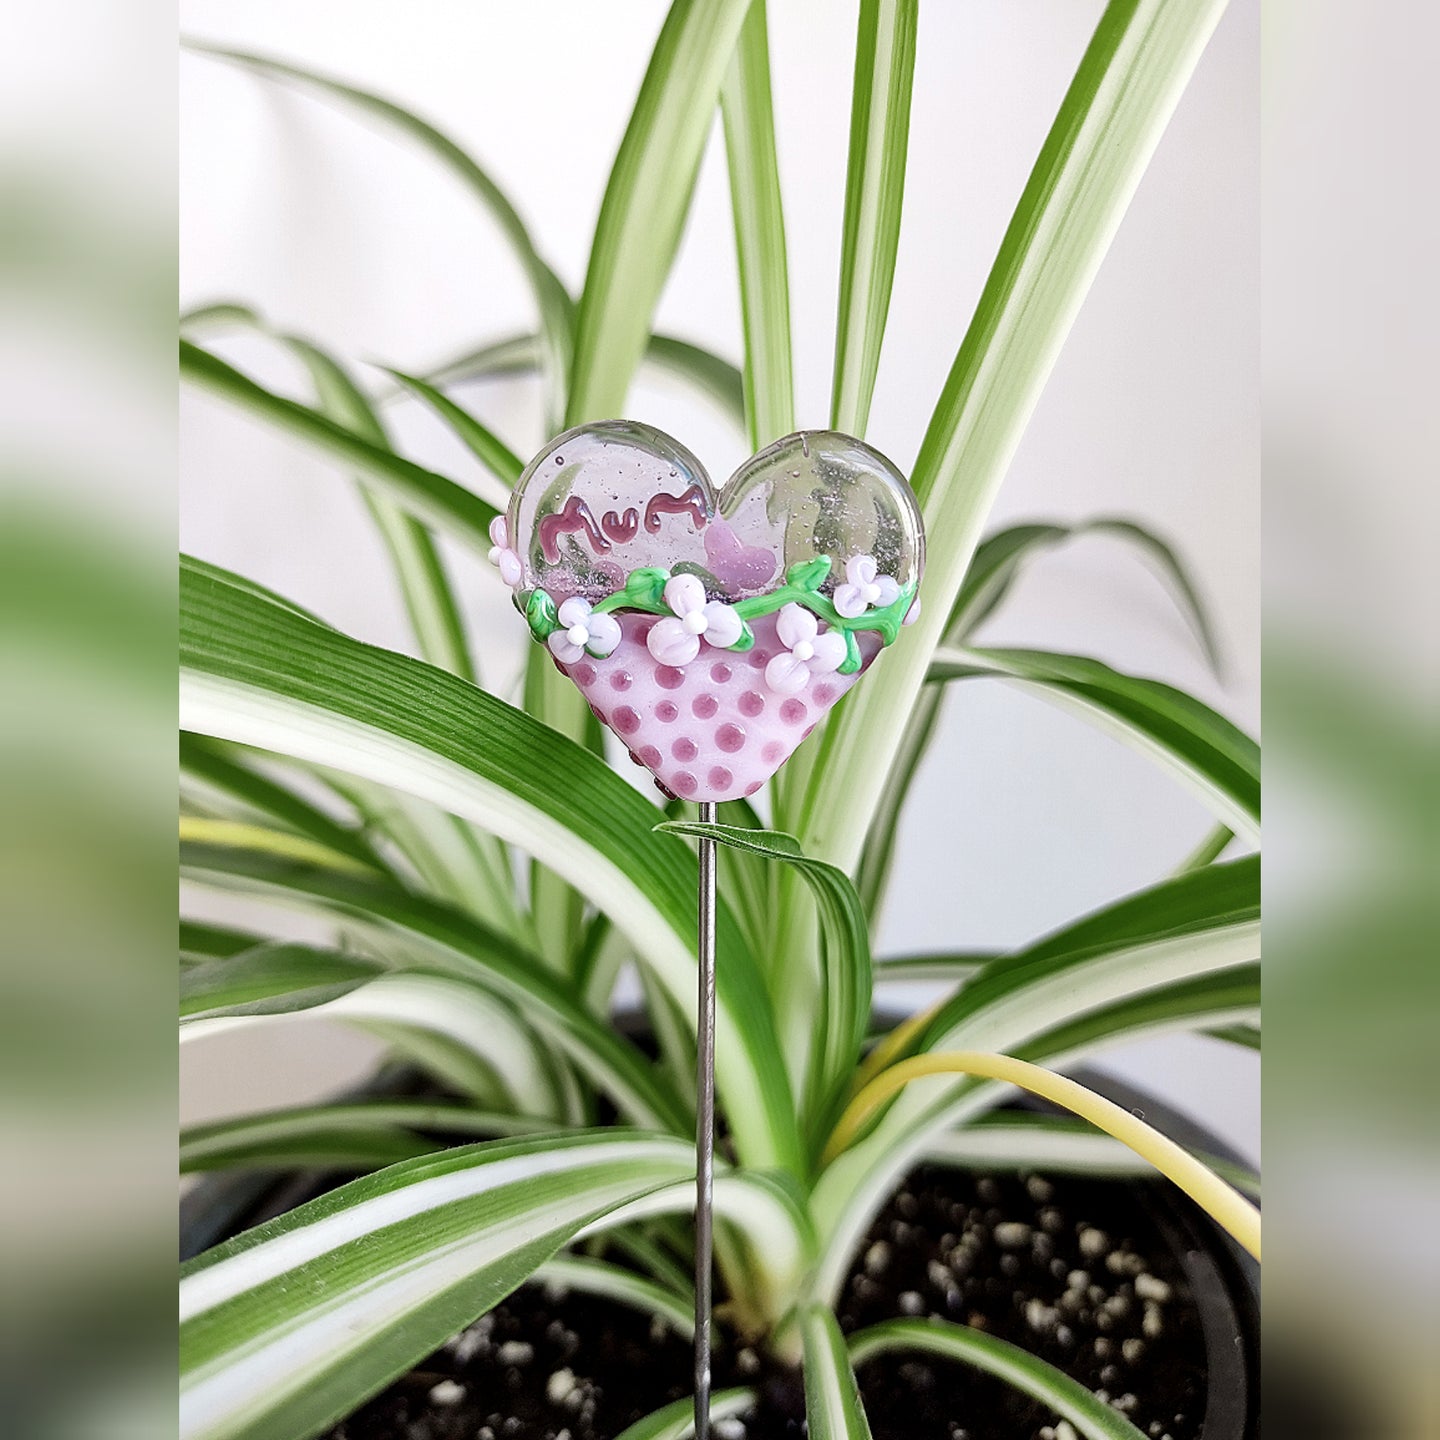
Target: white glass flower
[[675, 640], [808, 651], [864, 586], [582, 630], [501, 555]]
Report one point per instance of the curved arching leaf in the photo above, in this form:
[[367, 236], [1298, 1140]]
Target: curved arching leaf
[[1179, 955], [365, 1135], [1001, 557], [271, 979], [834, 1005], [426, 936], [294, 1323], [258, 673], [1068, 1398], [488, 448], [430, 497], [1200, 747], [677, 1421], [552, 300]]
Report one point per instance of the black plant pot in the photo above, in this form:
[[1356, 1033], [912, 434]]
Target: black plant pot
[[1198, 1376]]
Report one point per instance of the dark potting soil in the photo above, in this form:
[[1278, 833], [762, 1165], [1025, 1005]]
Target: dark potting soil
[[1074, 1270]]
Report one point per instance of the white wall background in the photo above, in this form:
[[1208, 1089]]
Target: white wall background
[[1023, 817]]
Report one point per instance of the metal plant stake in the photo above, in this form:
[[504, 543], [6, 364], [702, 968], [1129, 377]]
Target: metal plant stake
[[711, 632]]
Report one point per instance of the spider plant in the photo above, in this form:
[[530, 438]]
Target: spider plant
[[485, 876]]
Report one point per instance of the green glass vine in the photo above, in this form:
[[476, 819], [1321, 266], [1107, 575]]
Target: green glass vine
[[644, 590]]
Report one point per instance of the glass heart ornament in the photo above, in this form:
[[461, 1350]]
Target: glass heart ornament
[[711, 630]]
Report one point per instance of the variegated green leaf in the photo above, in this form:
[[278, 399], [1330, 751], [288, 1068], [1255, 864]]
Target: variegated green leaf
[[364, 1135], [551, 298], [432, 498], [1208, 754], [677, 1421], [749, 119], [832, 1399], [832, 1007], [646, 200], [260, 674], [874, 192], [288, 1326], [1112, 117], [1177, 956], [1068, 1398]]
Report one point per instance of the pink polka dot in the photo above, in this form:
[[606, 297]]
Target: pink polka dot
[[666, 711], [667, 677], [753, 786], [704, 706], [720, 673], [730, 738], [583, 674], [824, 694], [623, 680], [809, 730], [649, 756], [792, 712], [773, 753], [684, 782], [625, 720], [684, 748], [720, 778], [597, 713], [752, 702], [758, 659]]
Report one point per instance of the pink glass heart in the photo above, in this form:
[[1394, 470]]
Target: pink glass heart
[[711, 633]]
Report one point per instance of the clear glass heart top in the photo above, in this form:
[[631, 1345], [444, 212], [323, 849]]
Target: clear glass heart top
[[604, 500], [818, 493]]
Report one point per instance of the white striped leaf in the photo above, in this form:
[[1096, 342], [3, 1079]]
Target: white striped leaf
[[746, 108], [832, 1398], [1068, 1398], [874, 192], [1055, 1144], [1112, 117], [365, 1135], [613, 1282], [430, 497], [219, 780], [677, 1421], [259, 674], [413, 931], [552, 300], [1209, 755], [471, 1040], [835, 1003], [646, 201], [293, 1324], [1177, 956]]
